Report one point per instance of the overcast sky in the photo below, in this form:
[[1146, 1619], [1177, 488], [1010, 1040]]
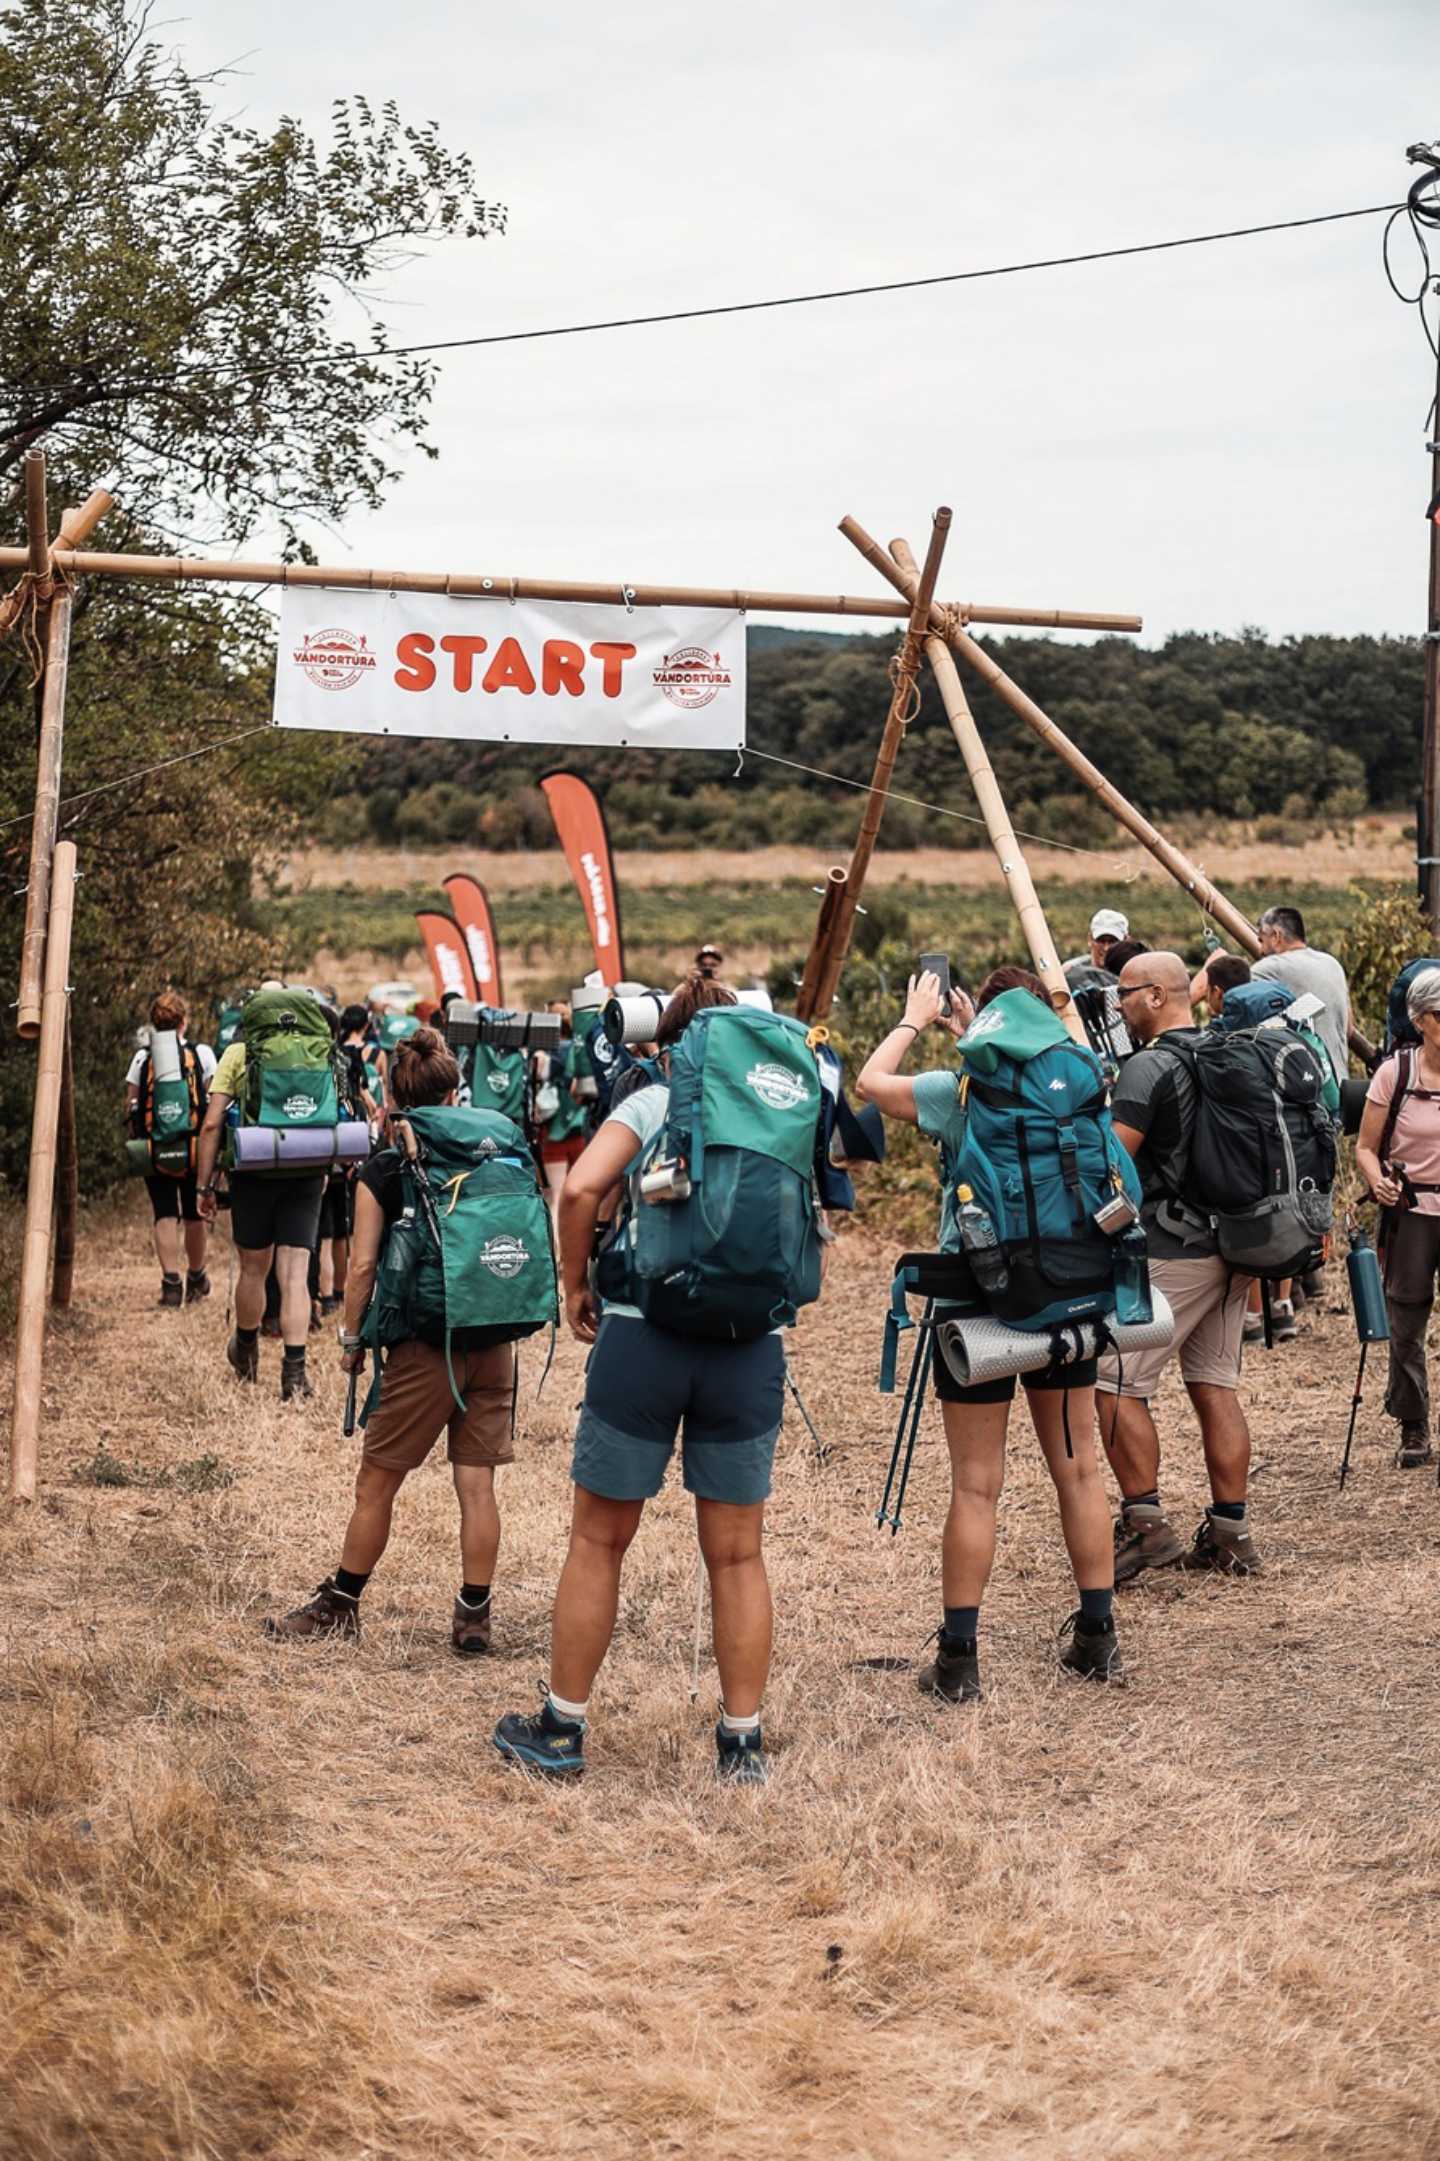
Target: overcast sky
[[1227, 435]]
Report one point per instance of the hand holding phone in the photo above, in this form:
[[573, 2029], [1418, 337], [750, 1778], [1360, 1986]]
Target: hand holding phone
[[937, 964]]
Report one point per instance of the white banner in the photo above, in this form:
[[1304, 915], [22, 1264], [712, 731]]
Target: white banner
[[531, 672]]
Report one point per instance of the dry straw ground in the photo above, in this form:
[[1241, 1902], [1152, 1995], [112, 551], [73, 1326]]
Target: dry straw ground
[[277, 1903]]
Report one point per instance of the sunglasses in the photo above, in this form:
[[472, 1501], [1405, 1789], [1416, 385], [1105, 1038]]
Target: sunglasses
[[1128, 990]]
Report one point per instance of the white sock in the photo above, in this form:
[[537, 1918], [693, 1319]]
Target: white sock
[[574, 1712], [739, 1725]]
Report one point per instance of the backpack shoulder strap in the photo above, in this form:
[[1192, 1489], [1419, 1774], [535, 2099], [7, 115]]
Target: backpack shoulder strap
[[1404, 1081]]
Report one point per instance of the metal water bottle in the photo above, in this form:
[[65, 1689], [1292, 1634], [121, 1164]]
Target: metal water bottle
[[982, 1246], [1367, 1289]]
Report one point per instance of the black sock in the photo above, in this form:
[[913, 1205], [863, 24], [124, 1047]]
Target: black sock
[[474, 1594], [1143, 1500], [248, 1335], [294, 1354], [169, 1275], [349, 1583], [1233, 1511], [1096, 1607], [962, 1624]]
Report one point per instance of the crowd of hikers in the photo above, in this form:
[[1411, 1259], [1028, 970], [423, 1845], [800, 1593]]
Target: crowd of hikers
[[664, 1168]]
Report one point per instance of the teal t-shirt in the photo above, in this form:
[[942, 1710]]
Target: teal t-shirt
[[937, 1107]]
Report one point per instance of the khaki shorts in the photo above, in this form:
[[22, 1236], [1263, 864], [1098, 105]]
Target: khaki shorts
[[416, 1407], [1208, 1303]]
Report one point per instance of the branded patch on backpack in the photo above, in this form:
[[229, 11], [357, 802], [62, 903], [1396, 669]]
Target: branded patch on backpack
[[500, 1082], [504, 1256], [301, 1106], [777, 1086], [169, 1114]]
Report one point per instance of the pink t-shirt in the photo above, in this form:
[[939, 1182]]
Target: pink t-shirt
[[1416, 1139]]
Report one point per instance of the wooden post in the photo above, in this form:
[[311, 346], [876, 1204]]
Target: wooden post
[[40, 1190], [832, 940], [75, 527], [37, 526], [47, 812], [67, 1179], [1013, 866], [805, 1003]]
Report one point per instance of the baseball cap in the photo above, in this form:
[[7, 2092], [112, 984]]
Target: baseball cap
[[1109, 923]]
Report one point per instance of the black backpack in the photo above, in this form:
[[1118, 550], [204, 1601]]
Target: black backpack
[[1262, 1153]]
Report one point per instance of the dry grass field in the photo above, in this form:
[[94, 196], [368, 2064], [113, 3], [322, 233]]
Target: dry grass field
[[280, 1903]]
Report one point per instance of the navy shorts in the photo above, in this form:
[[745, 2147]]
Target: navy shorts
[[643, 1384]]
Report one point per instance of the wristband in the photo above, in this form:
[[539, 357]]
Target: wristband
[[349, 1342], [207, 1189], [907, 1024]]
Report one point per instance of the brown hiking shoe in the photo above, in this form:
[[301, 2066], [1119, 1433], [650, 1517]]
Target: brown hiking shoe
[[328, 1613], [172, 1291], [1144, 1538], [1223, 1546], [244, 1358], [1414, 1451], [954, 1674], [197, 1284], [295, 1384], [470, 1629], [1093, 1653]]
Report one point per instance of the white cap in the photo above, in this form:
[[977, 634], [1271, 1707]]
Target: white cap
[[1109, 923]]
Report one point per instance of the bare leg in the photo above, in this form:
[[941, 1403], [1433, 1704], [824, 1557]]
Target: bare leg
[[1226, 1437], [339, 1266], [975, 1435], [292, 1267], [250, 1290], [1084, 1513], [166, 1234], [588, 1597], [1132, 1442], [739, 1600], [555, 1186], [479, 1521], [368, 1532], [197, 1245]]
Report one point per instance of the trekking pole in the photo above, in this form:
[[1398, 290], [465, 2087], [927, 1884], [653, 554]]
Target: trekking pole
[[699, 1621], [911, 1409], [350, 1394], [822, 1453], [1354, 1414], [1372, 1318]]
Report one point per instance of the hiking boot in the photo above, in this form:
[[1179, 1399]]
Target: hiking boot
[[244, 1358], [1414, 1451], [172, 1291], [1093, 1652], [197, 1285], [1254, 1329], [470, 1629], [740, 1758], [553, 1746], [1223, 1546], [954, 1673], [270, 1326], [1285, 1327], [295, 1382], [1144, 1538], [328, 1613], [329, 1305]]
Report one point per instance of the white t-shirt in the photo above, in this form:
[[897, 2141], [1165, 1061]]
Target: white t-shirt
[[202, 1051]]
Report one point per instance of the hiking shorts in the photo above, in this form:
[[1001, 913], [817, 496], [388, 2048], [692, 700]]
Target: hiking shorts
[[643, 1385], [1208, 1301], [172, 1197], [416, 1406], [337, 1208], [274, 1211]]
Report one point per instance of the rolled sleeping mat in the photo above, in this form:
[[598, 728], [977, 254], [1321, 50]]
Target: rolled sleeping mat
[[301, 1148], [979, 1348], [137, 1158], [165, 1054]]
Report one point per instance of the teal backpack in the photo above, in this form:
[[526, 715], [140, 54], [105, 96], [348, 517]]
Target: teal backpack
[[732, 1249], [499, 1080], [1039, 1157], [472, 1248]]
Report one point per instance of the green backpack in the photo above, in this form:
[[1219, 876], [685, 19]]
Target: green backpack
[[499, 1080], [472, 1248], [290, 1062], [737, 1253]]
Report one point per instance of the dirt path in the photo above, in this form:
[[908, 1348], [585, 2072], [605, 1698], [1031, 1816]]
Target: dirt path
[[277, 1903]]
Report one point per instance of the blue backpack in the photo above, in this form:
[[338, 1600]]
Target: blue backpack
[[1399, 1028], [1039, 1157]]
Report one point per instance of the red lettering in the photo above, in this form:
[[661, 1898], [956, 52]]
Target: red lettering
[[416, 670], [464, 650], [562, 667], [612, 659], [509, 670]]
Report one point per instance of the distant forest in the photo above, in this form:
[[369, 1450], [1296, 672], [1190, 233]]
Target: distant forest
[[1307, 731]]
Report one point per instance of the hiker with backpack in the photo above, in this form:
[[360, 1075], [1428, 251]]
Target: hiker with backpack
[[451, 1265], [166, 1090], [1237, 1158], [1030, 1101], [275, 1105], [1398, 1151], [716, 1245], [1287, 958]]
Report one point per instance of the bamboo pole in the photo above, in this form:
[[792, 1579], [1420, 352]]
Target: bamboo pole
[[67, 1179], [75, 526], [344, 577], [37, 526], [1011, 857], [831, 899], [832, 942], [40, 1190], [47, 811]]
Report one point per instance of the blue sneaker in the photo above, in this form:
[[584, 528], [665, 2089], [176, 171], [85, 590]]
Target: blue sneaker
[[554, 1746], [740, 1758]]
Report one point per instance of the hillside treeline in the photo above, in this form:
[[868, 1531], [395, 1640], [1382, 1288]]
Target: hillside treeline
[[1288, 732]]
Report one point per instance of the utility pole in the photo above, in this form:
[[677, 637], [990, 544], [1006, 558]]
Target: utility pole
[[1423, 204]]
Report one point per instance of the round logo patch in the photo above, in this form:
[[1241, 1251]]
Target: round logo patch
[[499, 1082], [691, 676], [504, 1256], [777, 1086], [170, 1114], [298, 1106], [333, 659]]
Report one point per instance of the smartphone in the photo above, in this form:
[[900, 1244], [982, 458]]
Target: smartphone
[[937, 964]]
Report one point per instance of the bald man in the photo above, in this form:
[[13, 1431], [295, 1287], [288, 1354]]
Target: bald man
[[1154, 1106]]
